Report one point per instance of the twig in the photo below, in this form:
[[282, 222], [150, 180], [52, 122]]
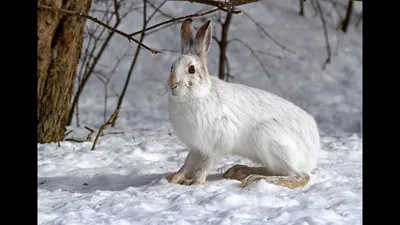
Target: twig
[[66, 134], [135, 57], [173, 20], [40, 6], [328, 47], [226, 4], [89, 136], [110, 121], [116, 132], [156, 9]]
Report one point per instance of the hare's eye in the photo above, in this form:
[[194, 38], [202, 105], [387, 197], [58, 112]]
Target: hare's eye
[[171, 68], [191, 69]]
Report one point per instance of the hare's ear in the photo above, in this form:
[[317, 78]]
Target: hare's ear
[[186, 36], [202, 41]]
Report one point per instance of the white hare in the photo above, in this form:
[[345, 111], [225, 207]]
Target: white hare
[[215, 118]]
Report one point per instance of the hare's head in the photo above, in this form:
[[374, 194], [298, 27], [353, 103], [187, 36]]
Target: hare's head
[[189, 75]]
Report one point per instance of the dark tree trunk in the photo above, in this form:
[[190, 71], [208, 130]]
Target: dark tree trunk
[[222, 46], [346, 21], [301, 7], [60, 39]]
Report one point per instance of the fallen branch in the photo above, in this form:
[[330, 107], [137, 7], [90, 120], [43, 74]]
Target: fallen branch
[[115, 132], [110, 121], [40, 6]]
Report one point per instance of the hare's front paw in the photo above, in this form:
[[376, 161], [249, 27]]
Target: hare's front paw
[[180, 178]]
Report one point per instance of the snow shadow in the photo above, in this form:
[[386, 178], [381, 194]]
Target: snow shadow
[[109, 182], [105, 182]]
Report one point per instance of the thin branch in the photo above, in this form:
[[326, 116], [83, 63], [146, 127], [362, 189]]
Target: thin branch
[[226, 4], [110, 121], [116, 7], [89, 136], [156, 9], [66, 134], [160, 28], [145, 21], [129, 37], [328, 47], [173, 20], [253, 53], [115, 132]]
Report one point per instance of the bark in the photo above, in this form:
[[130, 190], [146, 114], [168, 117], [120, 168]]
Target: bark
[[222, 46], [60, 39]]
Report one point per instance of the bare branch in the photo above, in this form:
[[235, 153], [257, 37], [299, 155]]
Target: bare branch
[[116, 7], [173, 20], [129, 37], [66, 134], [145, 21], [110, 121], [89, 136], [225, 4], [115, 132], [156, 9]]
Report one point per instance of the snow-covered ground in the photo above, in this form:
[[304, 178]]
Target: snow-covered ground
[[124, 180]]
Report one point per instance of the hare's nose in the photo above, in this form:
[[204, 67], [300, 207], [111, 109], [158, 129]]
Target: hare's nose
[[172, 81]]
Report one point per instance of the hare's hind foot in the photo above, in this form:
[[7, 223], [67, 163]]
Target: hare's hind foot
[[292, 182], [249, 175], [240, 172]]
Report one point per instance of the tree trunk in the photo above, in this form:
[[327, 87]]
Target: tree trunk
[[301, 7], [60, 39], [346, 21], [222, 46]]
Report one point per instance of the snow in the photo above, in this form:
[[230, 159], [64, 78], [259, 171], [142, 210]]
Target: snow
[[123, 181]]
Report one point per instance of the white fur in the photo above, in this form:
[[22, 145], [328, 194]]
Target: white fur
[[215, 118]]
